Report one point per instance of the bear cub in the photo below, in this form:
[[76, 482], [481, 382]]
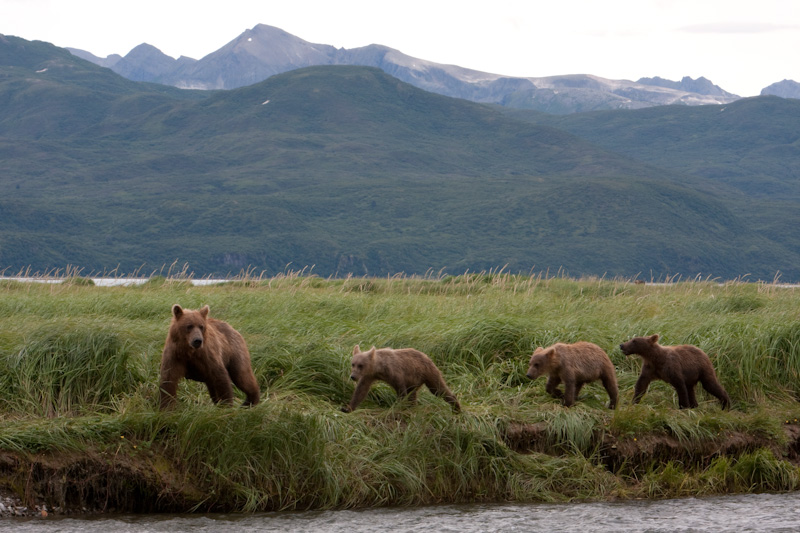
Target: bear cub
[[681, 366], [207, 350], [576, 365], [405, 369]]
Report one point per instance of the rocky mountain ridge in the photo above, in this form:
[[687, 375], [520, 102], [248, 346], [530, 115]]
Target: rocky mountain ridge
[[264, 51], [784, 89], [350, 170]]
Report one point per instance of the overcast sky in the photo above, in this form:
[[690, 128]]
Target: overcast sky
[[740, 45]]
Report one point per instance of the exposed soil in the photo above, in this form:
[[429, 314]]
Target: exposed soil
[[616, 451], [96, 482], [91, 483]]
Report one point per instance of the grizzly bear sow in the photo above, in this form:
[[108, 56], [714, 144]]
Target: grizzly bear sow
[[208, 350], [576, 365], [406, 370], [680, 366]]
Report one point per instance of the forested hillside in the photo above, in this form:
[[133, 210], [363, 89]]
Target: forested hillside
[[347, 169]]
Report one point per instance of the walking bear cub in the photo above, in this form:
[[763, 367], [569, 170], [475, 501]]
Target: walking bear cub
[[681, 366], [208, 350], [406, 370], [576, 365]]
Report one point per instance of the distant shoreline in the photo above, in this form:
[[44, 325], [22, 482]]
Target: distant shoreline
[[114, 282], [126, 282]]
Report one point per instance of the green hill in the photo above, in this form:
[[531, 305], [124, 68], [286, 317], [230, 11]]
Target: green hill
[[750, 147], [343, 168]]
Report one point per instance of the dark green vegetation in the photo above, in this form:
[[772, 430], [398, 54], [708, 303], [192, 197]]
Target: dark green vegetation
[[79, 424], [750, 148], [351, 171]]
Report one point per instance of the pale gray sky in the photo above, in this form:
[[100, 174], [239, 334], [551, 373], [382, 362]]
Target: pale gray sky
[[740, 45]]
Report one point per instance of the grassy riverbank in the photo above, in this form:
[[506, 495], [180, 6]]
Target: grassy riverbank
[[78, 394]]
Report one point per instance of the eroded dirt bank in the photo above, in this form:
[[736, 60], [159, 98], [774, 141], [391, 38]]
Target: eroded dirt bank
[[94, 482]]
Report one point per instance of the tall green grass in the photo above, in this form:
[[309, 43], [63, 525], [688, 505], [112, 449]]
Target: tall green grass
[[79, 371], [68, 367]]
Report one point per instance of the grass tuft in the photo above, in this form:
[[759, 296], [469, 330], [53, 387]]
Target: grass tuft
[[70, 367]]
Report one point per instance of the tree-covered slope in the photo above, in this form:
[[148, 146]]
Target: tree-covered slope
[[343, 168], [750, 147], [752, 144]]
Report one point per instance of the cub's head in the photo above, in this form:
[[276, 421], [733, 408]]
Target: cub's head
[[188, 326], [639, 345], [362, 363], [543, 361]]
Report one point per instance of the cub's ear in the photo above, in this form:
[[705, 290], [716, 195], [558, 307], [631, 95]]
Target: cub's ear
[[177, 311], [372, 351], [653, 338], [538, 350], [550, 353], [204, 311], [356, 349]]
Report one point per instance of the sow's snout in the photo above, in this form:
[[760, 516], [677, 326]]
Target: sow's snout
[[353, 377]]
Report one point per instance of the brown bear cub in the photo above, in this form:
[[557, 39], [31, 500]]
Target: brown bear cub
[[208, 350], [680, 366], [576, 365], [406, 370]]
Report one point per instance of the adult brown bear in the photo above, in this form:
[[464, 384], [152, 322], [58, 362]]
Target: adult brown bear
[[406, 370], [208, 350], [681, 366], [576, 365]]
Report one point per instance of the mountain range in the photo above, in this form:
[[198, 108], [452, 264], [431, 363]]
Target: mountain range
[[346, 169], [264, 51]]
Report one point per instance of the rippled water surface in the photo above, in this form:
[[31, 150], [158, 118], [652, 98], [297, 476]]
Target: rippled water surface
[[762, 513]]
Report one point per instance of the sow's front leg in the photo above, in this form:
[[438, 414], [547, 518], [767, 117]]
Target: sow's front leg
[[219, 383], [171, 373]]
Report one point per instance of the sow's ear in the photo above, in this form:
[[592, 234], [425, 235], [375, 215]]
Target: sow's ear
[[177, 311], [550, 354], [653, 338], [372, 352], [356, 349], [204, 311]]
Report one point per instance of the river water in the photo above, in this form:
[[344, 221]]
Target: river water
[[740, 513], [111, 282]]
